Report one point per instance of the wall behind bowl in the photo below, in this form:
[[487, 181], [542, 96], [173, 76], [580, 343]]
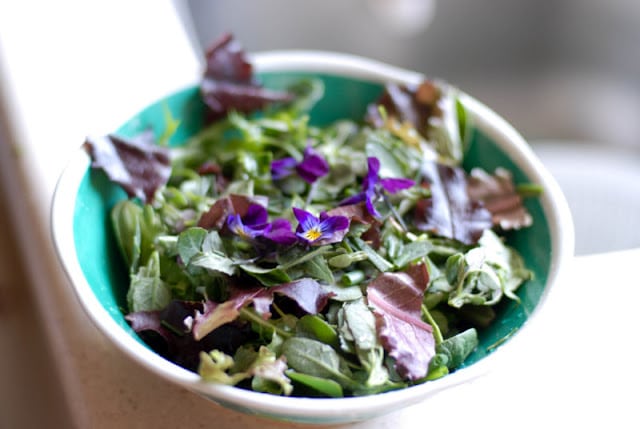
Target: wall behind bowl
[[555, 68]]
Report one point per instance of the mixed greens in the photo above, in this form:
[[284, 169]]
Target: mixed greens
[[342, 260]]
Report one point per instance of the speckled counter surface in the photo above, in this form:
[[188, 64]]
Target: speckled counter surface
[[57, 72]]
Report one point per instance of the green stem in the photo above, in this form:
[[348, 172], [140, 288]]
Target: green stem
[[436, 329], [395, 214], [312, 190], [253, 317]]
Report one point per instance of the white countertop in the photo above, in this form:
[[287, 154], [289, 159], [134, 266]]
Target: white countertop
[[73, 68]]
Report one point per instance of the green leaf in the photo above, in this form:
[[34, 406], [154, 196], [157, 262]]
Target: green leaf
[[323, 386], [214, 261], [269, 374], [358, 326], [458, 348], [300, 256], [215, 367], [412, 251], [315, 358], [318, 269], [190, 243], [126, 218], [315, 327], [267, 276], [374, 257], [147, 291]]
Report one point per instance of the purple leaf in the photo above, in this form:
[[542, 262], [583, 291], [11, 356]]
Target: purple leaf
[[449, 212], [216, 314], [172, 339], [306, 293], [138, 165], [218, 213], [498, 194], [396, 299], [228, 82], [412, 104]]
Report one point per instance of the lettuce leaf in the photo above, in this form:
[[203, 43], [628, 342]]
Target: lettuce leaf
[[138, 165], [397, 299], [449, 212], [228, 82]]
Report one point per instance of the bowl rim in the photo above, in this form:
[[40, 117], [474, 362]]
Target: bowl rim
[[318, 410]]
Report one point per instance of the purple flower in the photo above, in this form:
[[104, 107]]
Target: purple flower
[[323, 230], [311, 168], [253, 224], [279, 231], [371, 190]]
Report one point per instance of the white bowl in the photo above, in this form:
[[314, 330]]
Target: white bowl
[[81, 202]]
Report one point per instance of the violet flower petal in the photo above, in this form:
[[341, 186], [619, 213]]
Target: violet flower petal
[[393, 185], [281, 168], [253, 224], [371, 208], [280, 232], [256, 215], [372, 178], [324, 230], [313, 166]]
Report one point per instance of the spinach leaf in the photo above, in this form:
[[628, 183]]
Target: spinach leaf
[[317, 359], [456, 349]]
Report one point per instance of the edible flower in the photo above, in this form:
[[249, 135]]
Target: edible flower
[[279, 231], [253, 224], [320, 230], [311, 168], [370, 189]]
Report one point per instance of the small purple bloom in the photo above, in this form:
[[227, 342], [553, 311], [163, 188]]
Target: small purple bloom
[[279, 231], [323, 230], [370, 189], [253, 224], [281, 168], [311, 168]]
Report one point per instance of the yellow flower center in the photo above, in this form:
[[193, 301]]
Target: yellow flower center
[[313, 234]]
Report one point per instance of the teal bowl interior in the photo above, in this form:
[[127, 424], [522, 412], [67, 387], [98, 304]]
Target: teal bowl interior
[[345, 97]]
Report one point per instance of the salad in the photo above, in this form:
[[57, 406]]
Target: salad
[[341, 260]]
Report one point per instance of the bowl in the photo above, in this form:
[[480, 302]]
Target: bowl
[[88, 253]]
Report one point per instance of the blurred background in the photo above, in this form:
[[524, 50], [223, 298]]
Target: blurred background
[[565, 73]]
